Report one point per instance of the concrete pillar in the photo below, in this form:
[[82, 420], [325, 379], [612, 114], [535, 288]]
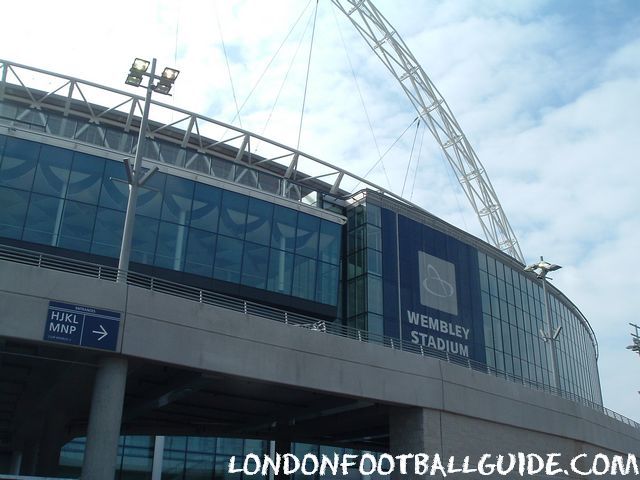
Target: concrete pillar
[[29, 457], [158, 457], [105, 418], [16, 462], [414, 430], [282, 447], [54, 436]]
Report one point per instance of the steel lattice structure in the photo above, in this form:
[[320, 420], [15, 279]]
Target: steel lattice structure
[[385, 42]]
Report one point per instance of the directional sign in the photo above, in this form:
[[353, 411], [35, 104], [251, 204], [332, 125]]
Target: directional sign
[[81, 325]]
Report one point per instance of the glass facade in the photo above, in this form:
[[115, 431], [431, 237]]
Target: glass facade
[[499, 308], [190, 458], [183, 458], [61, 198], [114, 137], [364, 306], [513, 314]]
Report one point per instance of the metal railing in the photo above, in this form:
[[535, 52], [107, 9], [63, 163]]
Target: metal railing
[[155, 284]]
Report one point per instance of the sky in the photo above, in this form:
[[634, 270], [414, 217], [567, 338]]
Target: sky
[[547, 92]]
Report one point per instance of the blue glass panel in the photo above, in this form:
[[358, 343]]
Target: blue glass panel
[[150, 196], [233, 215], [115, 189], [43, 219], [13, 211], [143, 246], [280, 271], [77, 226], [176, 204], [259, 216], [327, 284], [107, 234], [200, 251], [206, 207], [19, 163], [228, 259], [52, 173], [304, 278], [374, 294], [172, 243], [283, 234], [254, 265], [86, 178], [307, 235]]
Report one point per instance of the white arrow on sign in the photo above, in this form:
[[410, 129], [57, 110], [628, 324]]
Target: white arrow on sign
[[102, 332]]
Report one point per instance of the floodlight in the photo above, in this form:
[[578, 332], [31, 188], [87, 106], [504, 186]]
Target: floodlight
[[170, 74], [163, 87], [134, 79], [140, 65]]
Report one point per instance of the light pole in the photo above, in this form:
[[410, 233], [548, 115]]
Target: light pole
[[541, 269], [105, 416], [135, 177]]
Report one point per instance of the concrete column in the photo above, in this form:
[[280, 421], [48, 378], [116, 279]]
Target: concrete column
[[105, 418], [158, 457], [282, 447], [29, 457], [16, 462], [53, 438], [414, 430]]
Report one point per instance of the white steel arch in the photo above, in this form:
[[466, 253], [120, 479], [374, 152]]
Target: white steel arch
[[385, 42]]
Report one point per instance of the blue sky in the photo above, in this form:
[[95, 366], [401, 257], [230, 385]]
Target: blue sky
[[547, 92]]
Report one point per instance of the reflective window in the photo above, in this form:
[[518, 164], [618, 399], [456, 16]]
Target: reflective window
[[304, 274], [327, 283], [19, 163], [143, 245], [259, 216], [233, 214], [176, 204], [206, 207], [43, 219], [200, 252], [78, 203], [280, 271], [329, 244], [77, 226], [171, 246], [283, 235], [254, 265], [228, 259], [107, 233], [13, 212], [86, 178], [307, 236], [115, 189], [52, 173], [150, 196]]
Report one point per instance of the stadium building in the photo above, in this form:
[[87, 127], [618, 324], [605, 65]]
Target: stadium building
[[267, 308]]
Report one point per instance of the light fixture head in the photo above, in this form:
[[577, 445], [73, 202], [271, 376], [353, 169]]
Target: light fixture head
[[133, 78], [140, 65], [170, 74], [163, 87]]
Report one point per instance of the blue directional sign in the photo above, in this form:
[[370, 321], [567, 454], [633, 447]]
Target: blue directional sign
[[81, 325]]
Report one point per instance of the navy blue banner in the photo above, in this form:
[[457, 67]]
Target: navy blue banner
[[440, 303]]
